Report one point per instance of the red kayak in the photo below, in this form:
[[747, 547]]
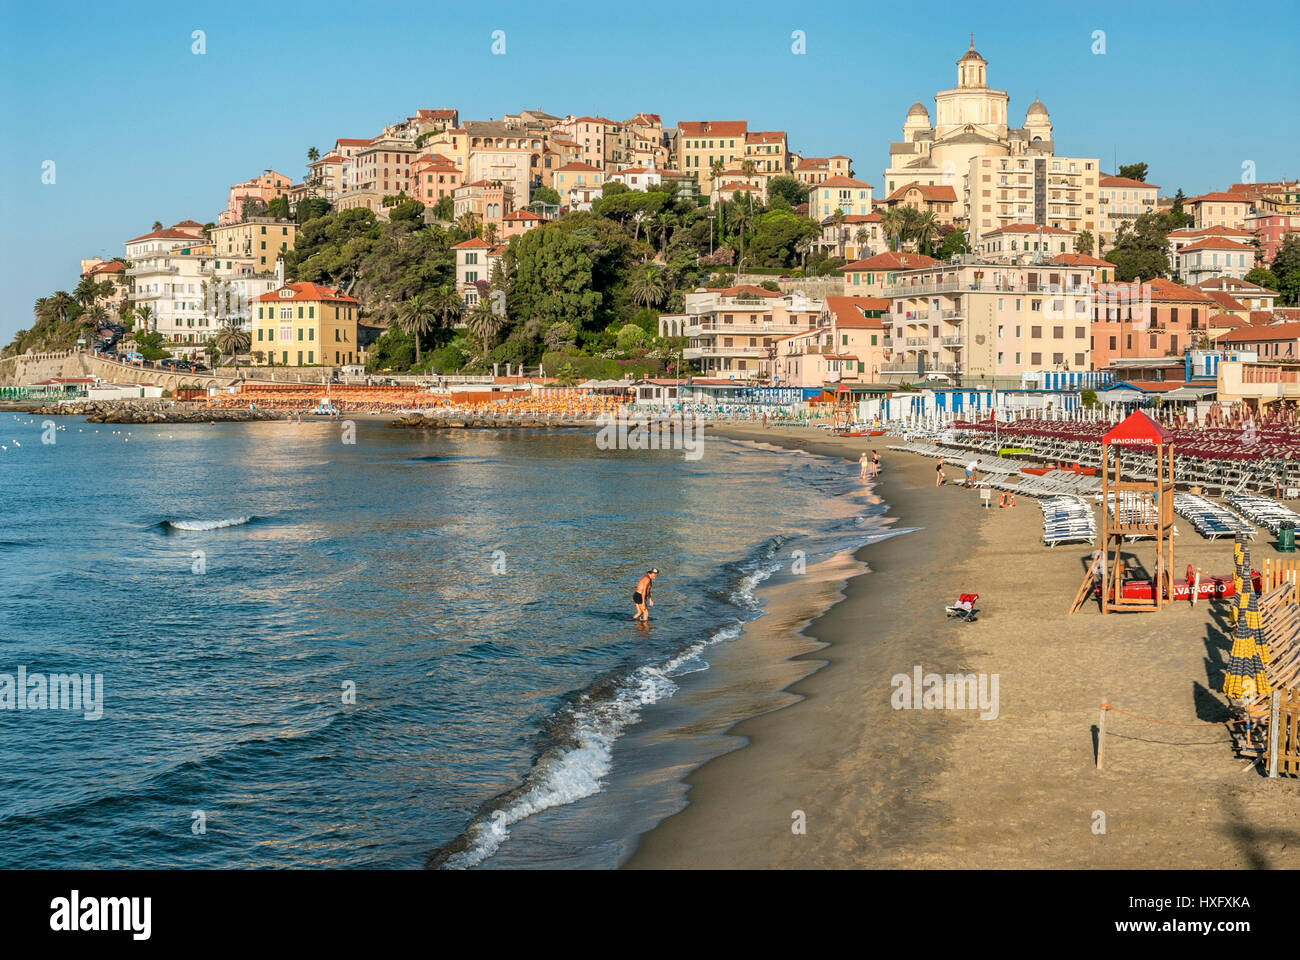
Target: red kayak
[[1210, 588]]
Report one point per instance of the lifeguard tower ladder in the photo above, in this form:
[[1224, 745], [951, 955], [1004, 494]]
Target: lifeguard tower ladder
[[1142, 508]]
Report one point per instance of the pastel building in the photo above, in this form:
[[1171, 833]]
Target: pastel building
[[845, 194], [849, 344], [732, 333], [1120, 201], [700, 144], [1049, 191], [433, 177], [475, 259], [265, 188], [1213, 257], [305, 324], [1219, 210], [260, 239], [869, 277], [577, 174], [1156, 319]]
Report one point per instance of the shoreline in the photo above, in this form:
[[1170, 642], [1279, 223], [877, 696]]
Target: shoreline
[[890, 788]]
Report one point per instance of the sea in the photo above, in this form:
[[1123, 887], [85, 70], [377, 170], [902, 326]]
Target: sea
[[342, 645]]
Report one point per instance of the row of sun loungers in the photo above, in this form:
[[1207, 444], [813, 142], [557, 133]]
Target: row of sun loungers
[[1208, 518], [1269, 514], [1067, 519]]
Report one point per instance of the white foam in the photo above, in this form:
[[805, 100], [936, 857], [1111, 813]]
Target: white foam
[[568, 774], [207, 524]]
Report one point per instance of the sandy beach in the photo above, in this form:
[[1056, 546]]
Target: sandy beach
[[895, 788]]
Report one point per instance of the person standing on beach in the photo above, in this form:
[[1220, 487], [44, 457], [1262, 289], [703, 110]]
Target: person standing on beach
[[970, 473], [875, 464], [938, 473], [641, 596], [863, 466]]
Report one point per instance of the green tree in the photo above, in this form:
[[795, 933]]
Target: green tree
[[1140, 251], [953, 244], [544, 194], [231, 341], [1133, 171], [312, 154], [646, 285], [445, 209], [554, 278], [1263, 277], [278, 208], [484, 323], [1083, 242], [788, 188], [1286, 268]]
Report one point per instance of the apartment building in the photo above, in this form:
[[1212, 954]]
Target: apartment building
[[1156, 319], [1025, 241], [849, 344], [1245, 295], [576, 175], [853, 237], [488, 201], [941, 200], [732, 332], [647, 146], [1177, 239], [520, 167], [1213, 257], [305, 324], [1120, 201], [259, 239], [845, 194], [988, 322], [265, 188], [1219, 210], [870, 277], [1277, 341], [811, 170], [768, 150], [602, 142], [475, 259], [1049, 191], [700, 144], [433, 177]]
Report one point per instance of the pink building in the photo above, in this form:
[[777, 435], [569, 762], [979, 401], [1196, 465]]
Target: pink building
[[265, 188], [433, 177]]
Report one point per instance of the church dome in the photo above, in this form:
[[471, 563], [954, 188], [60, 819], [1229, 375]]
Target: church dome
[[1036, 109], [918, 110], [972, 54]]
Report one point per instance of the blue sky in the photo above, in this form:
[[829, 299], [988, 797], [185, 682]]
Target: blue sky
[[142, 129]]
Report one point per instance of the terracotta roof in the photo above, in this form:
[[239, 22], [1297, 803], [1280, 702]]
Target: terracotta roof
[[1125, 182], [765, 136], [813, 163], [1211, 231], [442, 114], [838, 181], [1226, 320], [167, 234], [941, 193], [1276, 331], [1224, 300], [307, 291], [1030, 228], [745, 288], [352, 141], [1079, 260], [856, 218], [579, 166], [1215, 243], [1217, 198], [524, 215], [111, 266], [1232, 284], [713, 128], [474, 243], [1162, 289], [848, 311], [737, 186], [891, 260]]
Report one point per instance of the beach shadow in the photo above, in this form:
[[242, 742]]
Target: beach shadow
[[1209, 707], [1218, 646], [1249, 838]]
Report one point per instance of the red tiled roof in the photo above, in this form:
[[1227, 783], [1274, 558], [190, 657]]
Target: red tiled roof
[[1217, 198], [474, 243], [941, 193], [891, 260], [745, 288], [1276, 331], [1223, 299], [353, 142], [713, 128], [838, 181], [1226, 320], [307, 291], [1125, 182], [1079, 260], [1211, 231], [765, 136], [579, 166], [848, 311], [1214, 243], [1030, 228], [166, 234]]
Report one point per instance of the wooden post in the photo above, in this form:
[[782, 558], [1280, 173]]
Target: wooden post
[[1274, 731], [1101, 736]]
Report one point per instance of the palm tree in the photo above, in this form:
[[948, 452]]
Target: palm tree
[[157, 225], [145, 314], [86, 292], [837, 218], [863, 237], [417, 318], [748, 168], [925, 226], [646, 286], [490, 233], [231, 340], [312, 154], [469, 223], [482, 322], [447, 302], [43, 309], [891, 222]]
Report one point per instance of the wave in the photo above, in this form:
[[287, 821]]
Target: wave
[[192, 525], [582, 734]]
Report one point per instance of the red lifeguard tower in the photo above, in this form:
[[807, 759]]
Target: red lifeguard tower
[[1141, 508]]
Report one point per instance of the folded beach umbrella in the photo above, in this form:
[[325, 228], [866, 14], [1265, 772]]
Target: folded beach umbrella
[[1248, 655]]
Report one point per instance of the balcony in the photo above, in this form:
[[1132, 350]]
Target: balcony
[[700, 353], [951, 314], [956, 342], [910, 366], [918, 341]]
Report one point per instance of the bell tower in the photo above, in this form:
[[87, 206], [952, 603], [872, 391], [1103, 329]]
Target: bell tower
[[971, 67]]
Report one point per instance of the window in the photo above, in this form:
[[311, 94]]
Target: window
[[300, 330], [1112, 343], [1035, 332], [1035, 359], [1058, 333]]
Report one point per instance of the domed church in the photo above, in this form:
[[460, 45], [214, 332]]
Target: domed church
[[970, 121]]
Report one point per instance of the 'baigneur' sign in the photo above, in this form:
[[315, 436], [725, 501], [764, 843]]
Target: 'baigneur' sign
[[1137, 430]]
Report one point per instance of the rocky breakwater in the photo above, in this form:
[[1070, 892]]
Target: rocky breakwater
[[153, 411], [446, 420]]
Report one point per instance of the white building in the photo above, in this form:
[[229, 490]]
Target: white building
[[1213, 257]]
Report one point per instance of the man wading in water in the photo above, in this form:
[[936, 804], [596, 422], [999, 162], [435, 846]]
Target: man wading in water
[[641, 597]]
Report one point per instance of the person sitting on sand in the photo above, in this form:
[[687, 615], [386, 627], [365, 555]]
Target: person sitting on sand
[[641, 596], [938, 473]]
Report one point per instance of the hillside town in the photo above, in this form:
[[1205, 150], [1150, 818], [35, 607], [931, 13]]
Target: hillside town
[[707, 251]]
